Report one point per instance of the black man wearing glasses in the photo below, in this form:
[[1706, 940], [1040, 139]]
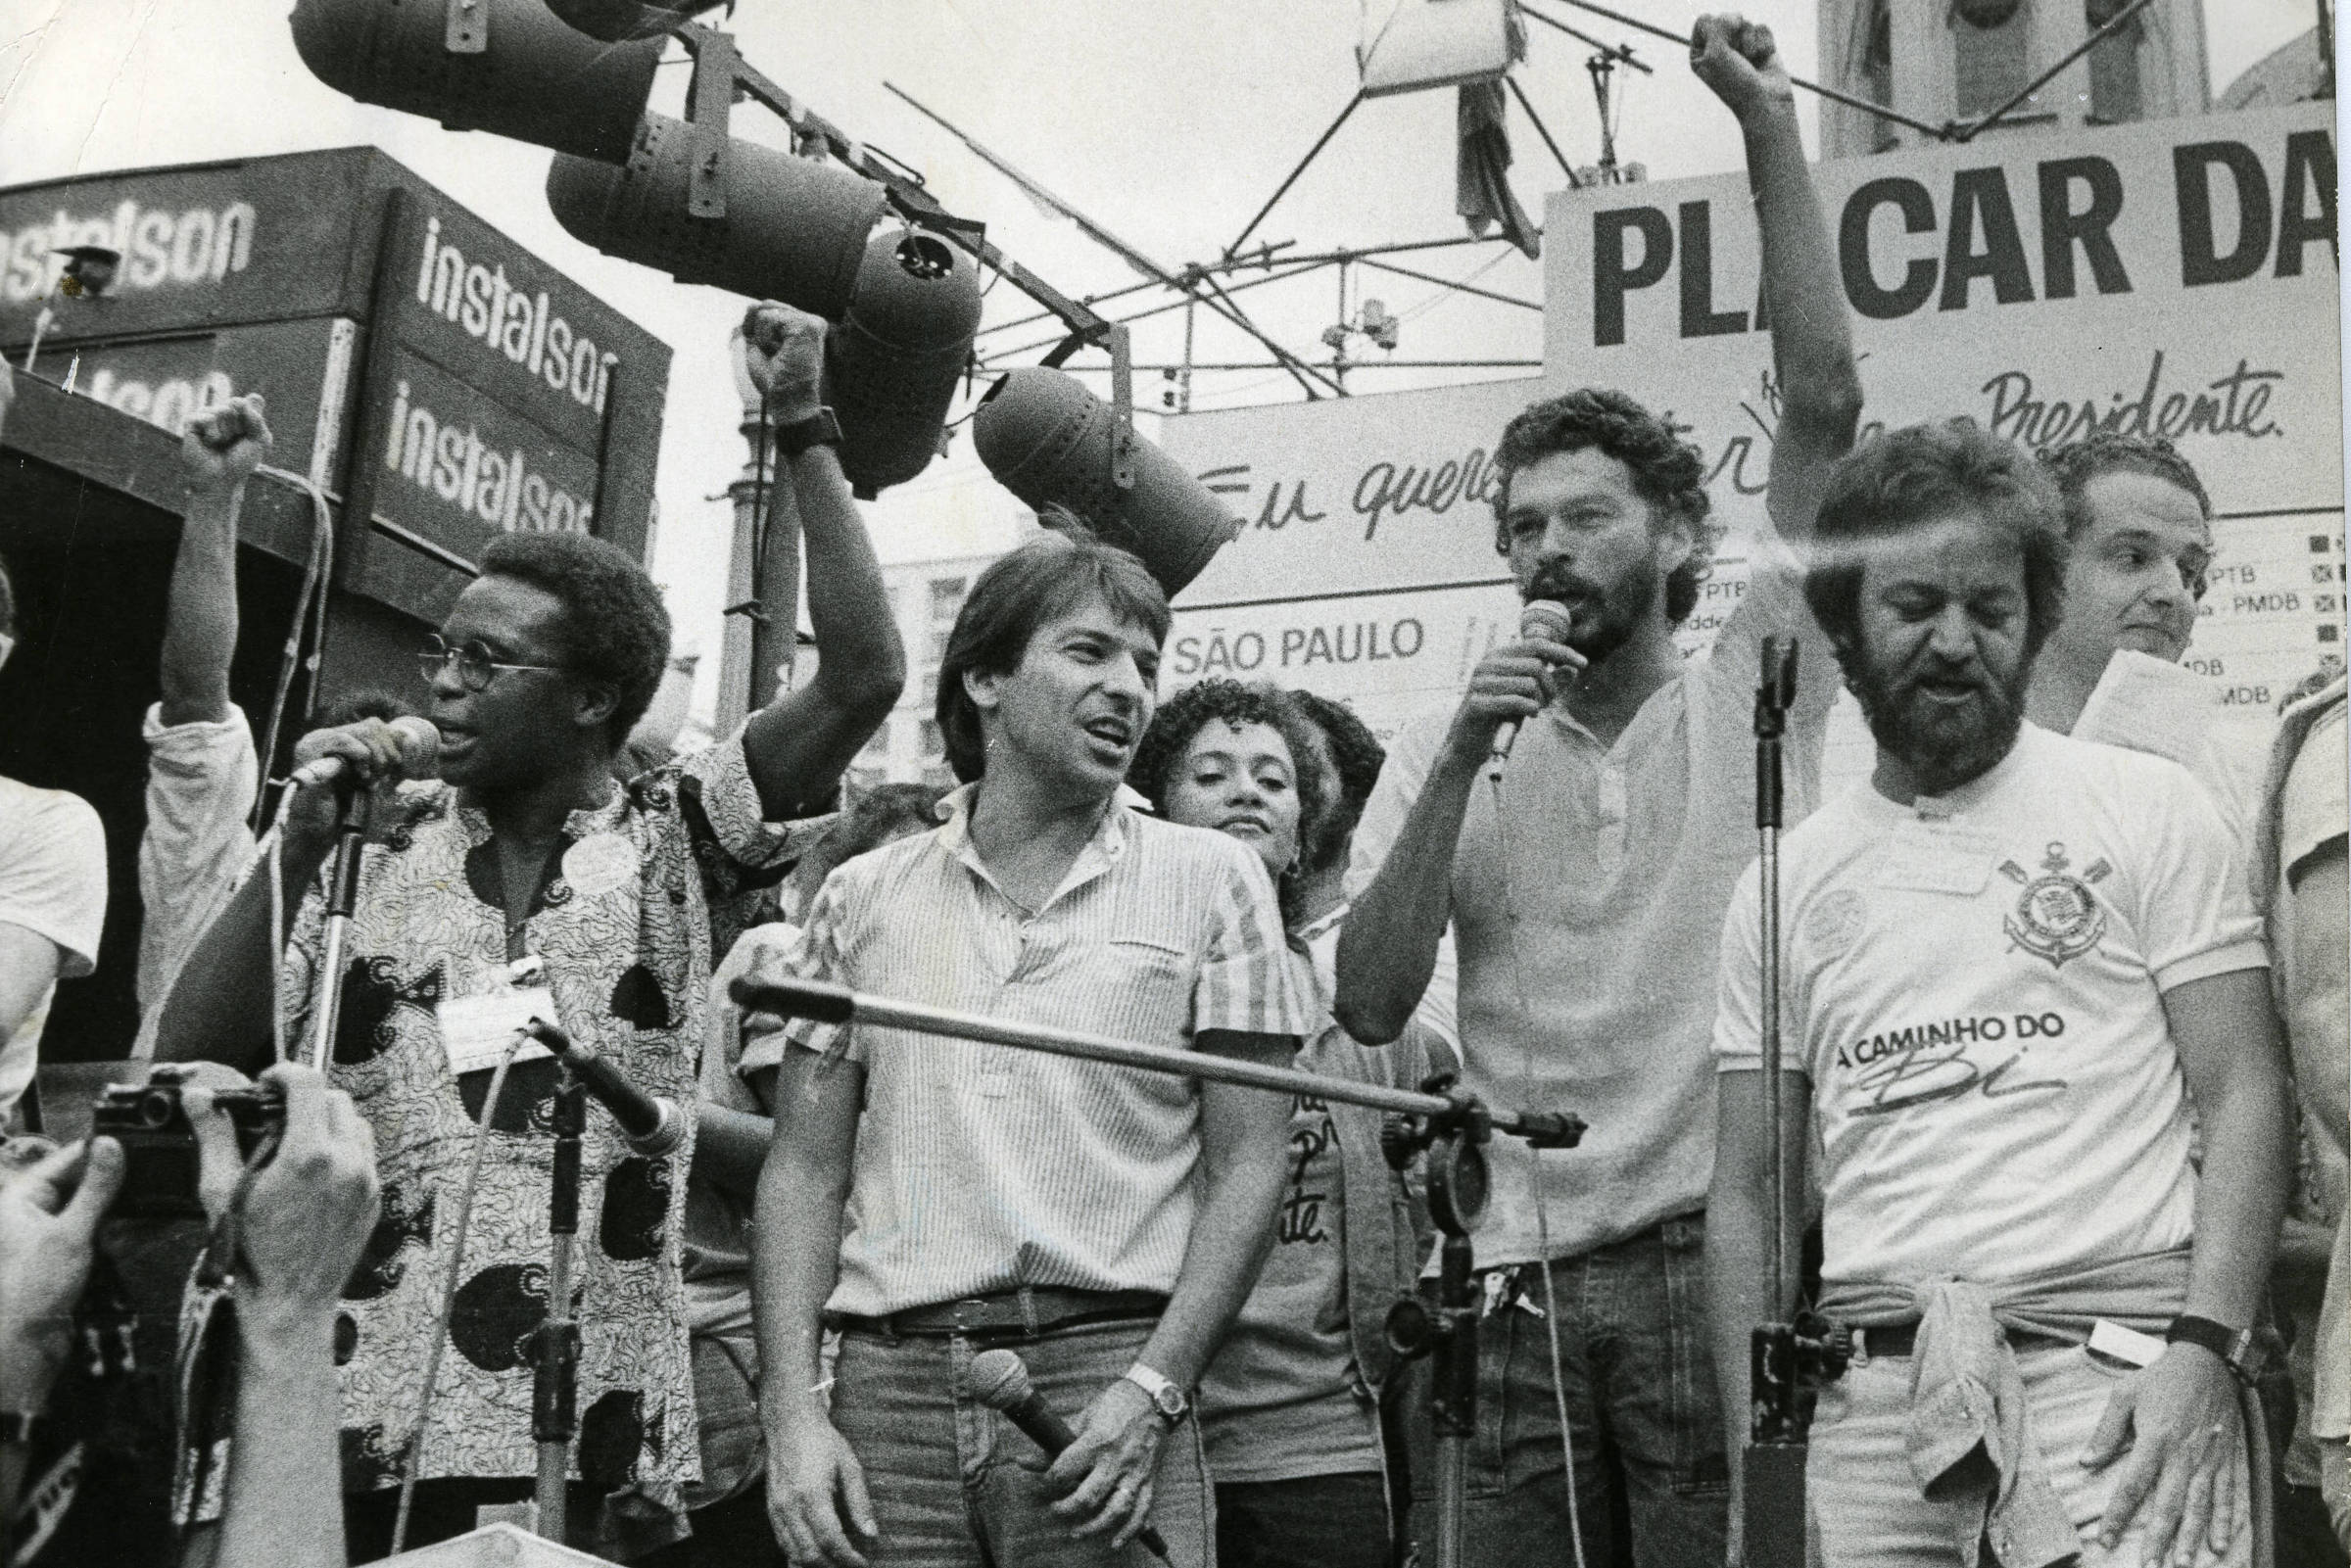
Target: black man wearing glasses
[[527, 848]]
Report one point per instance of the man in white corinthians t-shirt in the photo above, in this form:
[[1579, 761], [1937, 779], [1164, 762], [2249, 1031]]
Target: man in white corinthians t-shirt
[[2012, 967]]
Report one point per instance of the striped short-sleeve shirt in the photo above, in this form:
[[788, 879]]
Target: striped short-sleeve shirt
[[981, 1167]]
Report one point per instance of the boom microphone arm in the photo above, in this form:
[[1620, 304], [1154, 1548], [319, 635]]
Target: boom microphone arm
[[826, 1003]]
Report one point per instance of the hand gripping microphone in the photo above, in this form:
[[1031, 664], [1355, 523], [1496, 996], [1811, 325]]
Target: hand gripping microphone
[[653, 1123], [999, 1380], [420, 752], [1542, 617]]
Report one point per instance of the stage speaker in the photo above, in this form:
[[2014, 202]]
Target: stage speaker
[[1048, 440], [794, 228], [506, 66], [892, 363], [618, 20]]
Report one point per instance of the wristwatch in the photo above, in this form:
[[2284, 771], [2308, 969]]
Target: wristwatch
[[819, 429], [2236, 1346], [1166, 1397]]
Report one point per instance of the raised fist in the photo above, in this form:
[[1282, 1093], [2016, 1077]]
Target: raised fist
[[222, 446], [1738, 59], [785, 352]]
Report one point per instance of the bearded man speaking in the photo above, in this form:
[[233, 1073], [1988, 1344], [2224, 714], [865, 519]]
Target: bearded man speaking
[[2019, 971]]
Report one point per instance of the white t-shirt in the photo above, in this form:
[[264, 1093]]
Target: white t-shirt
[[202, 779], [1975, 986], [52, 883]]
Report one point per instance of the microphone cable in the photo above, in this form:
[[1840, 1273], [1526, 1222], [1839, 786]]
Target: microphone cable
[[309, 606], [415, 1448], [1551, 1300]]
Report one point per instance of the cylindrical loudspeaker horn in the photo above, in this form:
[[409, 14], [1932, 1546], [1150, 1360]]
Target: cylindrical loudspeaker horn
[[533, 79], [1048, 440], [619, 20], [891, 364], [794, 228]]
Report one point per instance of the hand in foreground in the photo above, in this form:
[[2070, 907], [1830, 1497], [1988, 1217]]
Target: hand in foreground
[[813, 1482], [2178, 1421], [49, 1218], [224, 445], [1108, 1470], [1511, 683], [308, 1211], [785, 350], [1738, 59]]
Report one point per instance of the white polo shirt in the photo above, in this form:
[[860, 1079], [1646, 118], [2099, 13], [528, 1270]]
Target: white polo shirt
[[1975, 986], [979, 1167]]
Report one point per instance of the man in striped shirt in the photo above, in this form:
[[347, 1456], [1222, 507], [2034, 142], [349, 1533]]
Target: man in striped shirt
[[935, 1199]]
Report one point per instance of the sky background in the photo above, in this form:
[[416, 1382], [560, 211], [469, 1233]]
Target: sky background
[[1168, 124]]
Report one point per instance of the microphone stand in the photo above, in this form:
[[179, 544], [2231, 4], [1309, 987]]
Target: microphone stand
[[1448, 1336], [342, 897], [555, 1344], [1790, 1356], [1453, 1126]]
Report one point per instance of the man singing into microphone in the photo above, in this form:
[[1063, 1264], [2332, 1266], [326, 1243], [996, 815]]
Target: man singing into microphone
[[935, 1198], [527, 847], [1586, 891], [2021, 976]]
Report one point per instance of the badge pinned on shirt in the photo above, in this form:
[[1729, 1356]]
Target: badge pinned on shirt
[[1924, 856], [476, 1029], [600, 864]]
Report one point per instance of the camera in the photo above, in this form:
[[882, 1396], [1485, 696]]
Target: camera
[[161, 1170]]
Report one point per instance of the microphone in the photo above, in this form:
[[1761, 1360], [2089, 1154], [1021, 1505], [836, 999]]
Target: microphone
[[653, 1123], [420, 751], [999, 1380], [1542, 617]]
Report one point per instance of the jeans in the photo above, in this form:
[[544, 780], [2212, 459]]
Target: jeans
[[1651, 1487], [949, 1476], [1864, 1500], [1322, 1521]]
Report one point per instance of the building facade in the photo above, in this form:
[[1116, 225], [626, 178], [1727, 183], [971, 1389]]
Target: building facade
[[1955, 61]]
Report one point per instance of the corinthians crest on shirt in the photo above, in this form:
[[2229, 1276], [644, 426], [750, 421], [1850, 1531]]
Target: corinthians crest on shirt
[[2056, 916]]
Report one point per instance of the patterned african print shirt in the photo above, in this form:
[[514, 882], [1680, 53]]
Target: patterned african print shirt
[[633, 900]]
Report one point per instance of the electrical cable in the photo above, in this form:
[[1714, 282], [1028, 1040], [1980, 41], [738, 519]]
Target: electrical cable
[[317, 574], [414, 1455], [1551, 1303]]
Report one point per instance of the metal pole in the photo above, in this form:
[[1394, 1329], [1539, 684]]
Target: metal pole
[[1939, 132], [837, 1004], [556, 1347], [1291, 178], [1184, 388], [343, 896]]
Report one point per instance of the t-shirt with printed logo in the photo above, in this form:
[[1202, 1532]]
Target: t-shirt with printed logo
[[1975, 986]]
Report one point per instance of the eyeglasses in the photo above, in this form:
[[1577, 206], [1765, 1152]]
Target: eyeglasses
[[475, 668]]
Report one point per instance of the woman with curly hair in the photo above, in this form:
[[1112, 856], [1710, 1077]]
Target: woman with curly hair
[[1290, 1407]]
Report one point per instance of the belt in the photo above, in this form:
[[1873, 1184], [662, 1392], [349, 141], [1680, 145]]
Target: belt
[[1022, 1313], [1899, 1341]]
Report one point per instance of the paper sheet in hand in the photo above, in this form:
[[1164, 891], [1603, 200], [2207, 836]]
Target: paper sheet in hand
[[2148, 704]]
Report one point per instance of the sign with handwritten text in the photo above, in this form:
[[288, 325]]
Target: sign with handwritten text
[[2172, 278], [2175, 278]]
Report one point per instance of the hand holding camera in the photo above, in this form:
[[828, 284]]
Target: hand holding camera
[[310, 1199], [49, 1219]]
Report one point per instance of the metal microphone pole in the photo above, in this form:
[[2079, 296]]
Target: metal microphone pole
[[1791, 1355], [1448, 1336], [555, 1346], [341, 896], [1452, 1125]]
